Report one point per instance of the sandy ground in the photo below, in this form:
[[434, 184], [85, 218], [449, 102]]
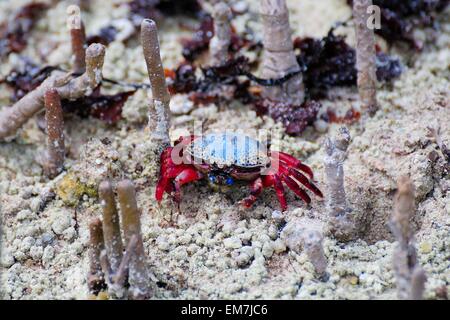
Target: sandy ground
[[214, 248]]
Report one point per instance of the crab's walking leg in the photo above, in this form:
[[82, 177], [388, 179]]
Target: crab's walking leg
[[275, 182], [256, 188], [296, 189], [279, 189], [293, 162], [289, 172], [160, 188], [162, 185], [303, 180]]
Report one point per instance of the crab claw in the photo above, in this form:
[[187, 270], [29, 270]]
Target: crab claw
[[172, 176]]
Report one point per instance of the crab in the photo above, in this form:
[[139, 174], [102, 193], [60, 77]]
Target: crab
[[228, 158]]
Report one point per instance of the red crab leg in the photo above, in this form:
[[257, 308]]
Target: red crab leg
[[164, 183], [303, 180], [280, 192], [293, 173], [275, 182], [185, 176], [296, 189], [293, 162], [256, 188]]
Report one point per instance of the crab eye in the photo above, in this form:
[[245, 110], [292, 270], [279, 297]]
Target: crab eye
[[229, 181]]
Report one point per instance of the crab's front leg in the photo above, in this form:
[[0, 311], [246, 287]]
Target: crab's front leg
[[276, 182], [256, 188], [172, 176]]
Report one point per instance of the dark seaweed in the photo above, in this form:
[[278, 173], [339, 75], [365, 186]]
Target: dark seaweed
[[27, 79], [216, 83], [199, 43], [14, 33], [104, 107], [399, 18], [179, 7], [148, 9], [330, 62], [294, 118], [143, 9], [105, 36], [325, 63], [388, 67], [157, 9], [183, 79]]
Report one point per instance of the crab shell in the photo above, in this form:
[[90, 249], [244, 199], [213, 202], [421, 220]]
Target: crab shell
[[236, 155], [225, 157]]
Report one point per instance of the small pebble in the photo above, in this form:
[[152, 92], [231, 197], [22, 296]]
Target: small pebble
[[353, 280], [48, 254], [24, 215], [19, 255], [184, 239], [61, 221], [268, 249], [321, 126], [162, 243], [7, 259], [232, 243], [36, 252], [426, 247], [35, 204], [26, 244], [180, 104], [240, 7], [279, 246], [47, 238], [27, 192]]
